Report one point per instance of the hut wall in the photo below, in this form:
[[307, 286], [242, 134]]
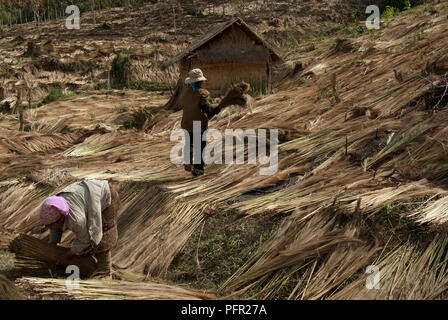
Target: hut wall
[[221, 75], [229, 58]]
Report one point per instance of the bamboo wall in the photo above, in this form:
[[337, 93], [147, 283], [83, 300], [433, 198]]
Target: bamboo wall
[[221, 75]]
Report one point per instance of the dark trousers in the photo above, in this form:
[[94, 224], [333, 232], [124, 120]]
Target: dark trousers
[[199, 166]]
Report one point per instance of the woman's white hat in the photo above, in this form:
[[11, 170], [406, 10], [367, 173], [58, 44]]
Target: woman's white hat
[[195, 75]]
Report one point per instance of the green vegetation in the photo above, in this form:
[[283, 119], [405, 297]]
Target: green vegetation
[[432, 9], [400, 5], [417, 36], [122, 76], [389, 12], [394, 220], [221, 246], [407, 5], [121, 73], [298, 66], [372, 33], [353, 29], [54, 94], [308, 46]]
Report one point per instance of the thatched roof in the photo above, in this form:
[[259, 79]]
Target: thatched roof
[[217, 30]]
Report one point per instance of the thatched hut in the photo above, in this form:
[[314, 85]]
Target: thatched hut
[[227, 53]]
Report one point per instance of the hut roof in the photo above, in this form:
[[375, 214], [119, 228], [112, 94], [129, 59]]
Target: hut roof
[[215, 31]]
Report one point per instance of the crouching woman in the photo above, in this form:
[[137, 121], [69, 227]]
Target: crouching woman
[[89, 209]]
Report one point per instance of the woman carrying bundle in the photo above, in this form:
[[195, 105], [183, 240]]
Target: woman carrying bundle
[[194, 101], [89, 209], [195, 104]]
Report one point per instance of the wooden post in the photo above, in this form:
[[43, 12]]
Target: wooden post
[[174, 18], [269, 75], [92, 5], [29, 97], [19, 108], [21, 119], [19, 97], [358, 205], [346, 145]]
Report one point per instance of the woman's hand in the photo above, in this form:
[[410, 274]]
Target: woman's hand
[[66, 258]]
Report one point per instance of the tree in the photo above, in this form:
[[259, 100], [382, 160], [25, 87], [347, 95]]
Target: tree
[[92, 6]]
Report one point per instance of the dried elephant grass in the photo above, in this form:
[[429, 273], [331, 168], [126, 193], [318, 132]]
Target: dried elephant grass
[[320, 252], [5, 240], [153, 226], [408, 272], [111, 290], [8, 291], [38, 257], [377, 146]]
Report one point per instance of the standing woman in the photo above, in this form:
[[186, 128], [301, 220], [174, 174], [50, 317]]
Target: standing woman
[[196, 107], [89, 209]]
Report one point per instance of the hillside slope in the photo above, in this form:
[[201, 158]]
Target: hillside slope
[[362, 176]]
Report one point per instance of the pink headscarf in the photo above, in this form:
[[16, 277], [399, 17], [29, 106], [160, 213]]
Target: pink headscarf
[[52, 209]]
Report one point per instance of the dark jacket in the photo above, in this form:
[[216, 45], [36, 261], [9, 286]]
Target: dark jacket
[[196, 107]]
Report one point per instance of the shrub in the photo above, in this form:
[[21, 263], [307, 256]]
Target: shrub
[[389, 12], [121, 73], [355, 29], [432, 9], [298, 66], [407, 5]]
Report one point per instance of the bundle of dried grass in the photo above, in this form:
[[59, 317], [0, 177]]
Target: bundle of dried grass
[[152, 228], [112, 290], [35, 256], [8, 290], [5, 240], [343, 45], [237, 95], [407, 273]]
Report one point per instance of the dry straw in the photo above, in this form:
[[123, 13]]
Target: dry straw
[[381, 143]]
